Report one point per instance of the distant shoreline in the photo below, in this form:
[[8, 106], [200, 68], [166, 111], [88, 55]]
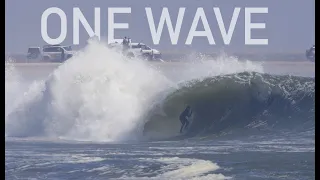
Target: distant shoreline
[[57, 64], [292, 57]]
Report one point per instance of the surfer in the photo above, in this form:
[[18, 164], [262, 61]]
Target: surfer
[[124, 41], [125, 44], [183, 117]]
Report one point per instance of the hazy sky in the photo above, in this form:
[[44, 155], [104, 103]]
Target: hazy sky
[[290, 24]]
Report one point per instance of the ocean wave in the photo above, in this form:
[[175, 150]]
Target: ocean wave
[[237, 103]]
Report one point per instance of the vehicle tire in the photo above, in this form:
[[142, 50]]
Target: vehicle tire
[[147, 56]]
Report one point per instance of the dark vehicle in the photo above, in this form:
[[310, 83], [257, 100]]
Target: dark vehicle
[[33, 53], [311, 53]]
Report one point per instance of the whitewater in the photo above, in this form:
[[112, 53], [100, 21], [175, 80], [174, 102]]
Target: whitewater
[[100, 115]]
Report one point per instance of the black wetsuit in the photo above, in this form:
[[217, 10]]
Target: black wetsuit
[[183, 118], [125, 44]]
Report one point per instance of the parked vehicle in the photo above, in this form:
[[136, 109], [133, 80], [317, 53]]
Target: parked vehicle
[[56, 53], [311, 53], [139, 50], [34, 53]]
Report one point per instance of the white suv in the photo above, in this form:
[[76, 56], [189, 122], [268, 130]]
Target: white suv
[[145, 51], [56, 53], [140, 50]]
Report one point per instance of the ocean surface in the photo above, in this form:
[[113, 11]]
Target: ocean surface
[[101, 116]]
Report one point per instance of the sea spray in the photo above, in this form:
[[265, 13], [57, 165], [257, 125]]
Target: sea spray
[[96, 95]]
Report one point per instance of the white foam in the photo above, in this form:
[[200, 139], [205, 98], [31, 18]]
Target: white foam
[[207, 67], [12, 86], [176, 168], [97, 95]]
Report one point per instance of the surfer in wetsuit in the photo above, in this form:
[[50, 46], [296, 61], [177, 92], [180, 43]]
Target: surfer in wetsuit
[[125, 44], [183, 117], [124, 41]]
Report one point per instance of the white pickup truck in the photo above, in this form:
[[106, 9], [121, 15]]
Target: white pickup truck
[[56, 53]]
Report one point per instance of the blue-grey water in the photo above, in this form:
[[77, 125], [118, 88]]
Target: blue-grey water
[[272, 157], [108, 119]]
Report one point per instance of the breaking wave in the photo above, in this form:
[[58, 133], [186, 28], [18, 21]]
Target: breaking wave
[[238, 102], [99, 95]]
